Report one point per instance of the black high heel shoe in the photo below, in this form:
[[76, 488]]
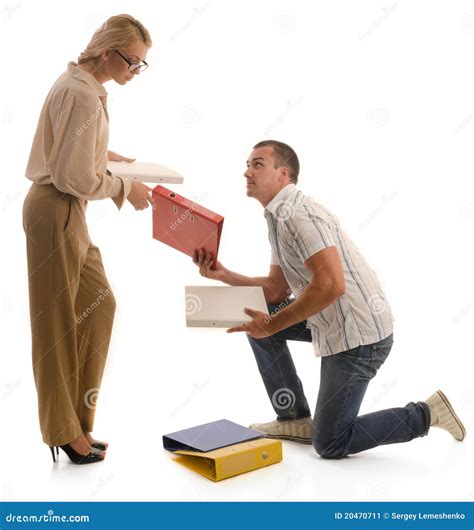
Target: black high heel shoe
[[77, 458], [101, 446]]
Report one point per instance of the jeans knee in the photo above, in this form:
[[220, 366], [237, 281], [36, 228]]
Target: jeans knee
[[325, 447]]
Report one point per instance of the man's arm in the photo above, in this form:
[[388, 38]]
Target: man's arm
[[275, 286], [327, 285]]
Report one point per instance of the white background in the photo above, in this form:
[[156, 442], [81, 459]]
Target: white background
[[376, 98]]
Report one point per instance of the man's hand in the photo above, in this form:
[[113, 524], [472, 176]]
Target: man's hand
[[139, 195], [259, 327], [115, 157], [203, 260]]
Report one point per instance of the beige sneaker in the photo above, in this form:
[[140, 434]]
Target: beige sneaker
[[444, 417], [294, 430]]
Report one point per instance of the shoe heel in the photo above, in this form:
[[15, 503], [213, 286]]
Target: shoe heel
[[52, 453]]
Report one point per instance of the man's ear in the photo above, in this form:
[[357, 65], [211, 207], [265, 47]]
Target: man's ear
[[284, 174]]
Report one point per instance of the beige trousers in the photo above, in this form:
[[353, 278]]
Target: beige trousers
[[71, 308]]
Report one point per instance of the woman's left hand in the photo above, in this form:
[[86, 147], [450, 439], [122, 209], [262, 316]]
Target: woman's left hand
[[115, 157]]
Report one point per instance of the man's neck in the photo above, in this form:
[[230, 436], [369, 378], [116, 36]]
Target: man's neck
[[267, 200]]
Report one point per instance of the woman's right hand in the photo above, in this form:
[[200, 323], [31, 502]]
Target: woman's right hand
[[203, 260], [139, 195]]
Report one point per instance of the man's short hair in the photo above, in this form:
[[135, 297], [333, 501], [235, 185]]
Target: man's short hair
[[283, 155]]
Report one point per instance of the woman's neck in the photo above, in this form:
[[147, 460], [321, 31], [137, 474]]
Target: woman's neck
[[95, 71]]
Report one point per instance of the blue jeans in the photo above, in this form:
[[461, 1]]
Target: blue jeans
[[337, 430]]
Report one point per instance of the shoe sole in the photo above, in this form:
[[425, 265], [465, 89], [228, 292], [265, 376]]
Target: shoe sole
[[306, 441], [450, 408]]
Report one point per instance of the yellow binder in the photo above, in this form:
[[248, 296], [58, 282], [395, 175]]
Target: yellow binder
[[232, 460]]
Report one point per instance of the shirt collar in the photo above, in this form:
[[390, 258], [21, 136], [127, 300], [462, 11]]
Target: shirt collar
[[280, 197], [87, 77]]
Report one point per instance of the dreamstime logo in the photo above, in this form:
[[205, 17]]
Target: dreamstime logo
[[97, 210], [378, 490], [7, 389], [101, 484], [283, 210], [6, 491], [378, 116], [289, 483], [283, 398], [286, 303], [463, 124], [297, 290], [190, 116], [385, 201], [377, 304], [196, 390], [91, 120], [6, 303], [461, 313], [6, 116], [466, 22], [277, 309], [9, 11], [9, 200], [100, 298], [193, 304], [90, 398], [284, 22], [190, 490], [187, 213], [465, 211], [466, 398], [377, 22]]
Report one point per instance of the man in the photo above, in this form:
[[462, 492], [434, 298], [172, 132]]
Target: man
[[339, 306]]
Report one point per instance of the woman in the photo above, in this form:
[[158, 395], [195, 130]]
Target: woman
[[71, 303]]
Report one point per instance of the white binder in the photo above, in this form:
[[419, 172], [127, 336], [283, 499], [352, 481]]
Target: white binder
[[221, 307], [145, 172]]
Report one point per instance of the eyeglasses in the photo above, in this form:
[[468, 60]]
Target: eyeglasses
[[133, 67]]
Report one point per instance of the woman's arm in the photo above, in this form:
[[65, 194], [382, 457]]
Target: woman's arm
[[77, 131], [115, 157]]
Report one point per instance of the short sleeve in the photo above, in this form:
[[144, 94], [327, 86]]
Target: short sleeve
[[274, 258], [308, 233]]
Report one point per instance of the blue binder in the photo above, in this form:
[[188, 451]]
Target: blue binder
[[209, 436]]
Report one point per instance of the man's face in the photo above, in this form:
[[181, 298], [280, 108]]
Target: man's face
[[117, 68], [263, 179]]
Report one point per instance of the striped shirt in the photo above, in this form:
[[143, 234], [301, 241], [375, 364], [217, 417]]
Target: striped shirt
[[298, 228]]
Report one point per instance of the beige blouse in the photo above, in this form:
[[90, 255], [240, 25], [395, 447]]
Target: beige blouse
[[70, 144]]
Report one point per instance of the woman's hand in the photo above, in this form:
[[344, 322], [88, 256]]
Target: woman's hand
[[203, 260], [139, 195], [115, 157]]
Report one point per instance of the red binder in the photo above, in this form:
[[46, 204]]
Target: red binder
[[184, 224]]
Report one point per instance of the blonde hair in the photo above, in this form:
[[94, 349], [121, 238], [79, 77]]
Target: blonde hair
[[119, 31]]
